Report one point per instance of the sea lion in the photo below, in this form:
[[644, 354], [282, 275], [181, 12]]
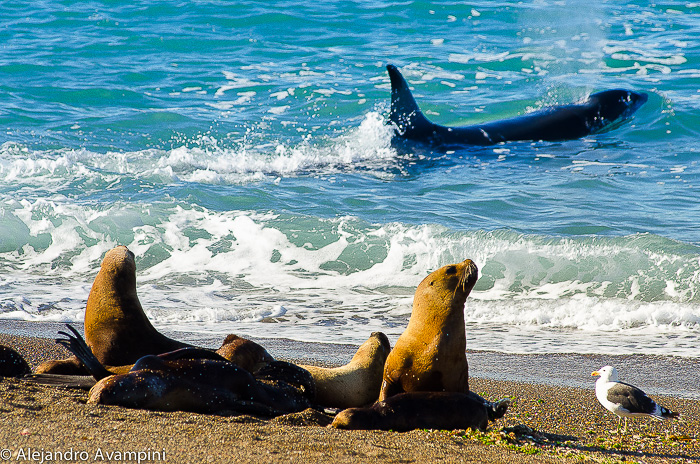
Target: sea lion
[[197, 380], [417, 410], [118, 333], [240, 351], [430, 355], [76, 344], [356, 383], [602, 111], [116, 328], [12, 364], [196, 385]]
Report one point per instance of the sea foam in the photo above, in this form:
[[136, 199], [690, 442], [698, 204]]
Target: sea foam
[[262, 274]]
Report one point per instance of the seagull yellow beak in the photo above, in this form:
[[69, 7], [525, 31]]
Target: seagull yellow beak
[[595, 373]]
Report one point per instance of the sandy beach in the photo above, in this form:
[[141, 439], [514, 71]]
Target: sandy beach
[[546, 423]]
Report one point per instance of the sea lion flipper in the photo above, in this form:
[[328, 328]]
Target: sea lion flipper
[[494, 409], [84, 382], [497, 409], [76, 345]]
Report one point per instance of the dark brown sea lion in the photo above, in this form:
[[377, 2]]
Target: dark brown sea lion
[[12, 364], [356, 383], [116, 328], [430, 355], [198, 380], [418, 410], [197, 385]]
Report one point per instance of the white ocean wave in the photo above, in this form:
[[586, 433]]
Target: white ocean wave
[[219, 271], [204, 160]]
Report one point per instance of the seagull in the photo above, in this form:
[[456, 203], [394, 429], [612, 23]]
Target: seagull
[[625, 400]]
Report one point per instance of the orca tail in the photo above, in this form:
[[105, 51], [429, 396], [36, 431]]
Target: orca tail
[[405, 113], [76, 345]]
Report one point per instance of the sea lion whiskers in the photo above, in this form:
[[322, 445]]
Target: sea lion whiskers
[[464, 285]]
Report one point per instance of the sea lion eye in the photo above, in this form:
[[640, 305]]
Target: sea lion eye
[[451, 270]]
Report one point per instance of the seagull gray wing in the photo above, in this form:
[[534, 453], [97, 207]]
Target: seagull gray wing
[[631, 398]]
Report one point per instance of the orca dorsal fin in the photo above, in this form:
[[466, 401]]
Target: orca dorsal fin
[[405, 113]]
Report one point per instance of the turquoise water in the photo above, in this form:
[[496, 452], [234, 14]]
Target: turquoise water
[[241, 150]]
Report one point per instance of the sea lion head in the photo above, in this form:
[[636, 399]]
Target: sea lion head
[[119, 265], [373, 352], [449, 284], [114, 289], [245, 353], [12, 364], [357, 419]]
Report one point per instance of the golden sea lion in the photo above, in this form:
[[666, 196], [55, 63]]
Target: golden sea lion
[[116, 328], [417, 410], [430, 355], [356, 383]]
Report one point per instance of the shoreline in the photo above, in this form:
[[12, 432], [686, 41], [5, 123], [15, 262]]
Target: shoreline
[[546, 423], [658, 374]]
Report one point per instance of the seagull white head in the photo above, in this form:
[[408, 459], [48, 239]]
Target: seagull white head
[[607, 374]]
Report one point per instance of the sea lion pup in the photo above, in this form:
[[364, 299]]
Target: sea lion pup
[[116, 328], [430, 355], [12, 364], [417, 410], [243, 352], [356, 383], [197, 380], [76, 344], [196, 385]]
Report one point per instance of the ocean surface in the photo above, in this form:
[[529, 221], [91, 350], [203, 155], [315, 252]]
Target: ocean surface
[[241, 151]]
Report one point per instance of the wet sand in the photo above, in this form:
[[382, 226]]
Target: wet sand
[[550, 420]]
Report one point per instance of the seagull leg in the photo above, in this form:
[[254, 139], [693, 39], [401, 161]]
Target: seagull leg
[[619, 425]]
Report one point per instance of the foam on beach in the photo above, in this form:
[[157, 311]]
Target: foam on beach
[[339, 279]]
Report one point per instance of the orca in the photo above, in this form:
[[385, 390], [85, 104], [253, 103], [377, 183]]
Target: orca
[[602, 111]]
